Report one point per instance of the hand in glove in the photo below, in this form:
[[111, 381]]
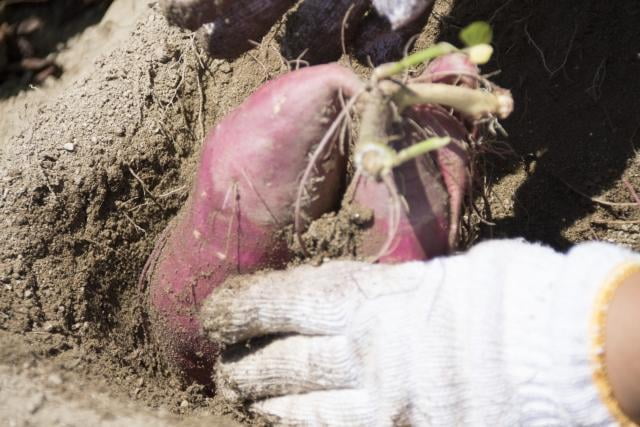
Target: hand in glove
[[498, 336], [314, 31]]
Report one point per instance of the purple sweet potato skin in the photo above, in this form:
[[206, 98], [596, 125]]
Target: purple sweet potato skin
[[452, 160], [453, 69], [434, 185], [243, 196], [426, 221]]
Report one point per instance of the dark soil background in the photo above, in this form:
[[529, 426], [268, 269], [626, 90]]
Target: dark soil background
[[78, 224], [576, 124], [31, 32]]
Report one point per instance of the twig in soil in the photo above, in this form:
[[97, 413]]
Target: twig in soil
[[615, 221], [595, 199], [593, 233], [298, 61], [267, 75], [541, 53], [595, 90], [183, 61], [481, 217], [145, 190], [200, 68], [627, 184], [498, 10], [162, 196], [132, 222], [166, 134], [170, 192], [283, 60], [343, 27], [196, 51], [200, 105]]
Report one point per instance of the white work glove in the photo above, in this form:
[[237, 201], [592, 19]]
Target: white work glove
[[497, 336]]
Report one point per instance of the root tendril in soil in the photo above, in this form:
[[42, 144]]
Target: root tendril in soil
[[322, 145]]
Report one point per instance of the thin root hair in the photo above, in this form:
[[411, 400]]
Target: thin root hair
[[324, 142]]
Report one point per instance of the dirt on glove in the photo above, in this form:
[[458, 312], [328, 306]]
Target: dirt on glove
[[93, 165]]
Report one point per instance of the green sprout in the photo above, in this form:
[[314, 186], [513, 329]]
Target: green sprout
[[374, 157], [476, 37]]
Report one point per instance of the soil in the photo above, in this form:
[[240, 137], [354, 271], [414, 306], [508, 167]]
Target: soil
[[32, 33], [95, 163]]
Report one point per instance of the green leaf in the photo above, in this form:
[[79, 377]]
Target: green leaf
[[476, 33]]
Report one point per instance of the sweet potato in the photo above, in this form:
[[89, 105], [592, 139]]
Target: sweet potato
[[420, 221], [453, 69], [242, 199], [429, 190]]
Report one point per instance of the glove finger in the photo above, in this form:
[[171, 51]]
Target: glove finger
[[244, 22], [314, 31], [291, 365], [192, 14], [330, 408], [305, 300]]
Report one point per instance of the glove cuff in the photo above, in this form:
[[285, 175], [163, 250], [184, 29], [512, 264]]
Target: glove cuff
[[590, 277], [598, 338]]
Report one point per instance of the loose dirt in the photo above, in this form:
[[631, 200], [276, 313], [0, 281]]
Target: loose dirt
[[93, 165]]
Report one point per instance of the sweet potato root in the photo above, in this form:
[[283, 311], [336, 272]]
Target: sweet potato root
[[242, 198], [420, 220], [417, 211]]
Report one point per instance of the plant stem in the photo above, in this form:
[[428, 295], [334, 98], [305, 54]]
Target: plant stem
[[393, 68], [420, 148], [372, 152], [472, 102]]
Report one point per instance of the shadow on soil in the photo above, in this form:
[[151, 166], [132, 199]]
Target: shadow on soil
[[61, 20], [572, 67]]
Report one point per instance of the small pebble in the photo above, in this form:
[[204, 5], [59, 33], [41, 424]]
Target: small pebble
[[69, 146], [54, 379], [51, 326]]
